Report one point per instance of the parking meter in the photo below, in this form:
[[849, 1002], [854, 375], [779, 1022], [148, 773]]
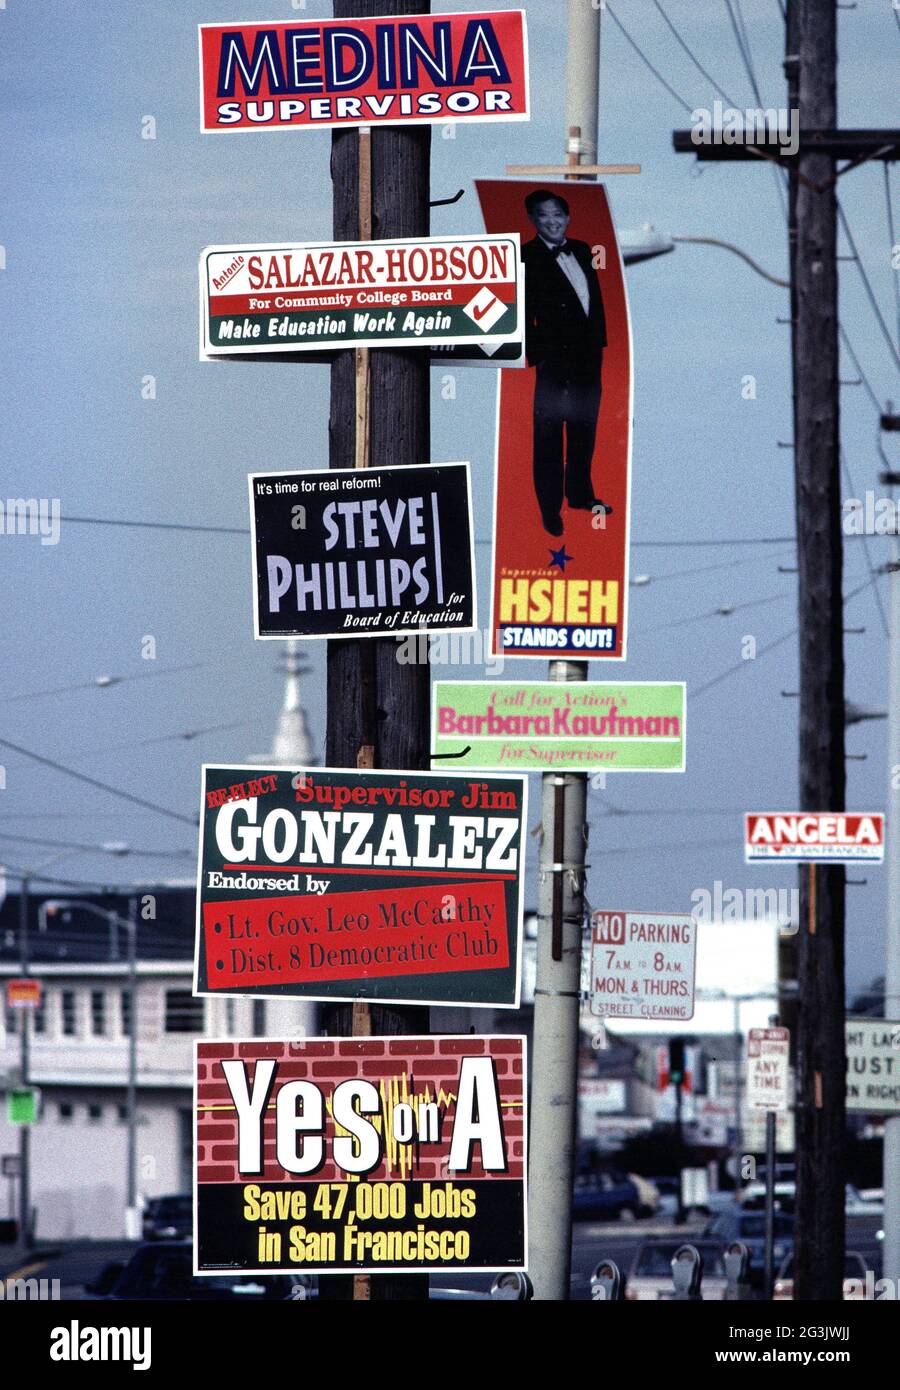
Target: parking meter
[[737, 1266], [687, 1274], [606, 1283], [514, 1284]]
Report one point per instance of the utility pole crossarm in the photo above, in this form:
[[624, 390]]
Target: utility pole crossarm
[[855, 145]]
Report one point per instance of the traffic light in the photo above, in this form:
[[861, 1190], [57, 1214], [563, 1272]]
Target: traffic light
[[676, 1061]]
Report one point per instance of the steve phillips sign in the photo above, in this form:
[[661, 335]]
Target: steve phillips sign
[[418, 69]]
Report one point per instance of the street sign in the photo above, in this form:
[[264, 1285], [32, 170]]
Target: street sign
[[816, 837], [350, 1155], [617, 726], [10, 1166], [642, 965], [21, 1106], [768, 1051], [563, 447], [362, 552], [23, 994], [873, 1066], [306, 297], [329, 884], [410, 70]]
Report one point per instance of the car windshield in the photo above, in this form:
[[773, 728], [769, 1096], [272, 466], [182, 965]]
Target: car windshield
[[654, 1261], [168, 1274], [172, 1208]]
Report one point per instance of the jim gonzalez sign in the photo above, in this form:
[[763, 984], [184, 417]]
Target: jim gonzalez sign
[[330, 884]]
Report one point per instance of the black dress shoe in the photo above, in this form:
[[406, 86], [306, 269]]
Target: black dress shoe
[[590, 504], [553, 524]]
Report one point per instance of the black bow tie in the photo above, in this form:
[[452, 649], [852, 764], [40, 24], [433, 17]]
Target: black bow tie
[[557, 251]]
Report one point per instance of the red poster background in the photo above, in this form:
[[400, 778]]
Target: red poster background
[[521, 545]]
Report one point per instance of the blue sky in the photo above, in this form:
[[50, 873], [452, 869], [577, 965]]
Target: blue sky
[[102, 231]]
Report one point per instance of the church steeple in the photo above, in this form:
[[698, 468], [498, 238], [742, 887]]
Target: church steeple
[[292, 744]]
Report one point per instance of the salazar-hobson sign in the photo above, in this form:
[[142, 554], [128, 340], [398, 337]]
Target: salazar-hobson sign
[[362, 552], [816, 837], [382, 1154], [322, 884], [616, 726], [402, 70], [322, 295]]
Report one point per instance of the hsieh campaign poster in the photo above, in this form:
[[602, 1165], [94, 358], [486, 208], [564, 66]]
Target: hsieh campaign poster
[[378, 1154], [362, 552], [401, 70], [323, 884], [561, 503]]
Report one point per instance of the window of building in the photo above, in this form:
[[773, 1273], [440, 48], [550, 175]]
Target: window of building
[[95, 1113], [10, 1020], [259, 1018], [98, 1013], [125, 1012], [40, 1014], [122, 1114], [66, 1110], [184, 1013], [230, 1016], [69, 1013]]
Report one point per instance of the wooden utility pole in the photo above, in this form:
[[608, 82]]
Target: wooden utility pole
[[811, 70], [378, 709], [821, 1084]]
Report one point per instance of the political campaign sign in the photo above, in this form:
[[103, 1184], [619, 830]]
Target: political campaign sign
[[616, 726], [873, 1065], [328, 884], [643, 965], [378, 1154], [321, 295], [561, 501], [400, 70], [362, 552], [815, 837]]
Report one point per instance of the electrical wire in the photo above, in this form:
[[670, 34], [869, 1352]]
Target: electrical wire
[[99, 849], [93, 782], [892, 240], [105, 682], [644, 59], [879, 602], [870, 293], [157, 525], [697, 64]]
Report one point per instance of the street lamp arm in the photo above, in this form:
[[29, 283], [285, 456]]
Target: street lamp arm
[[728, 246]]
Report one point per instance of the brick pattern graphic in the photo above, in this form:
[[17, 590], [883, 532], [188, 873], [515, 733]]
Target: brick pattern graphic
[[407, 1068]]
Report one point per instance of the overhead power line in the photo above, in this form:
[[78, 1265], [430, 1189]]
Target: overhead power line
[[93, 782], [105, 682], [870, 293], [644, 59], [697, 64]]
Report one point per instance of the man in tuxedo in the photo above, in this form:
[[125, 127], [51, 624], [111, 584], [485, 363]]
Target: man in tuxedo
[[565, 334]]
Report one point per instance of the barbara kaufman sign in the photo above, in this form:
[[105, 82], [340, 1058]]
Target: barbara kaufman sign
[[407, 70], [325, 884], [381, 1154], [362, 552], [616, 726], [322, 295]]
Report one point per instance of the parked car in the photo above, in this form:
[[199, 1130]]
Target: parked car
[[750, 1228], [163, 1271], [648, 1193], [605, 1196], [870, 1203], [650, 1276], [753, 1196], [854, 1279], [169, 1218]]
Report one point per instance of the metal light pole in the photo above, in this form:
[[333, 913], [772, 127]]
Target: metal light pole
[[129, 923]]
